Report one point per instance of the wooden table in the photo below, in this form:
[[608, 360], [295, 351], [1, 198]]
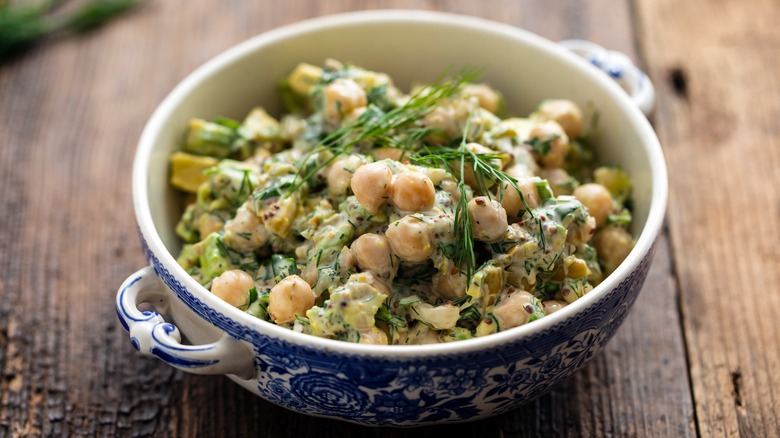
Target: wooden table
[[698, 355]]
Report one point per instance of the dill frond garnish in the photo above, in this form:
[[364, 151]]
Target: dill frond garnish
[[400, 128], [485, 173], [397, 127]]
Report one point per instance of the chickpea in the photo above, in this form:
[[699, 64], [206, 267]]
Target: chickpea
[[597, 199], [560, 181], [352, 116], [612, 245], [563, 111], [451, 187], [488, 98], [347, 262], [245, 232], [380, 285], [342, 96], [552, 306], [450, 283], [311, 272], [371, 185], [209, 223], [372, 252], [340, 174], [388, 154], [514, 310], [513, 204], [410, 239], [233, 287], [524, 162], [559, 142], [450, 118], [413, 191], [488, 219], [519, 170], [290, 297]]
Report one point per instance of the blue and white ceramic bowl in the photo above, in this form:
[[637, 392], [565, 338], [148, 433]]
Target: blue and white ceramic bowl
[[368, 384]]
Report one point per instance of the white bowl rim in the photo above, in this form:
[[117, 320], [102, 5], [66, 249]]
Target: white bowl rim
[[155, 124]]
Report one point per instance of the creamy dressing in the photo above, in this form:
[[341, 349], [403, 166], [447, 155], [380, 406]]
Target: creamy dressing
[[287, 199]]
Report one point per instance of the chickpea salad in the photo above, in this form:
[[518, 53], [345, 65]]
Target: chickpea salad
[[368, 215]]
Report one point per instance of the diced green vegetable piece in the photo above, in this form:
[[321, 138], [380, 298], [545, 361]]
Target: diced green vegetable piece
[[258, 304], [227, 123], [187, 170], [455, 334], [187, 228], [207, 138], [538, 311], [385, 315], [502, 110], [621, 218], [588, 253], [304, 78], [293, 102], [615, 180], [579, 160], [568, 209], [470, 317], [541, 147], [349, 309], [487, 326], [333, 236], [328, 273], [214, 258], [275, 189], [260, 126], [188, 257], [407, 301], [543, 187], [378, 97], [486, 284], [546, 289], [573, 289], [283, 267], [229, 185]]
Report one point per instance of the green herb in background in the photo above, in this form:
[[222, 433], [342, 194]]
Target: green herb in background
[[23, 26]]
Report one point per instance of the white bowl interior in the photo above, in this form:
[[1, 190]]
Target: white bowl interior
[[411, 47]]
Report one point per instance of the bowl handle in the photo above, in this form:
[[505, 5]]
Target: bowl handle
[[152, 336], [620, 68]]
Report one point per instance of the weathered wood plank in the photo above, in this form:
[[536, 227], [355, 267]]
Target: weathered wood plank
[[70, 115], [718, 121]]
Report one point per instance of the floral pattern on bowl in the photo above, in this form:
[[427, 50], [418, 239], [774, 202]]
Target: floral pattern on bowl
[[452, 387]]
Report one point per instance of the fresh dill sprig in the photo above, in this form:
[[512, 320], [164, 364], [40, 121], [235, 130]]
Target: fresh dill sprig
[[400, 128], [23, 26], [485, 174], [397, 127]]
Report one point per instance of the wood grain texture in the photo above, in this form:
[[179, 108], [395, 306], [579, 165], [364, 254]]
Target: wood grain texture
[[70, 114], [716, 66]]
